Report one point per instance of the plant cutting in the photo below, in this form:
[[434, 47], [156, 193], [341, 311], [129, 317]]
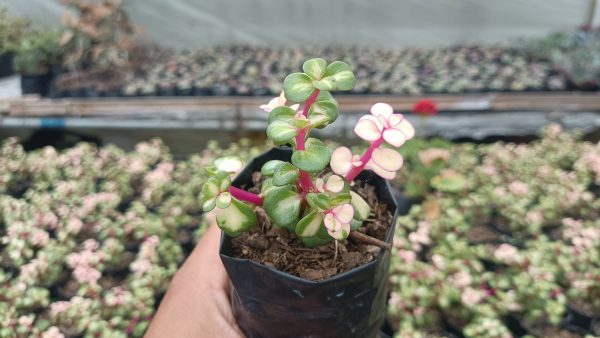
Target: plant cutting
[[311, 222]]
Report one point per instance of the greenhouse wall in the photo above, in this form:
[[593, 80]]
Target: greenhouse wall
[[395, 23]]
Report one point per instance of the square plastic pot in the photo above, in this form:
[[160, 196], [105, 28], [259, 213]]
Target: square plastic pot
[[270, 303]]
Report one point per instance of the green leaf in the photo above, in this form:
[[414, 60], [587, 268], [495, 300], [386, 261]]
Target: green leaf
[[282, 205], [336, 67], [297, 87], [322, 237], [300, 122], [325, 96], [282, 113], [208, 194], [309, 225], [341, 198], [322, 113], [315, 68], [361, 208], [269, 168], [355, 224], [285, 173], [325, 84], [224, 200], [225, 180], [281, 132], [314, 158], [209, 204], [338, 76], [211, 170], [341, 81], [236, 218], [266, 186], [318, 201]]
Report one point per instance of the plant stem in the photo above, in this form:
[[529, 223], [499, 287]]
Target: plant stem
[[351, 175], [304, 180], [244, 195], [301, 137]]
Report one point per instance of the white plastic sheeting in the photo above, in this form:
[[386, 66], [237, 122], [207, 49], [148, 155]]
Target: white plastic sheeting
[[388, 23]]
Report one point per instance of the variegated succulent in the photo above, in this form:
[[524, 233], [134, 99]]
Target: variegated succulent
[[300, 195]]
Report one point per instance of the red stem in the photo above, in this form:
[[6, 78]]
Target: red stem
[[304, 180], [244, 195], [351, 175], [301, 137]]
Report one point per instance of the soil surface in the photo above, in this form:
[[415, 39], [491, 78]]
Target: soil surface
[[554, 332], [282, 250], [585, 308]]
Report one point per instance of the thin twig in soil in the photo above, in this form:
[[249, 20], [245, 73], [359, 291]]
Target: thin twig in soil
[[336, 254], [359, 236]]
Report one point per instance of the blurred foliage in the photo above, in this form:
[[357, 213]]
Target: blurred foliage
[[575, 53], [37, 51]]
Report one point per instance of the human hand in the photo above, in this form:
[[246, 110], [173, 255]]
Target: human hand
[[197, 302]]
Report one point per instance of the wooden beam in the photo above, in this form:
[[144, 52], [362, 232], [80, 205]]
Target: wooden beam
[[551, 101]]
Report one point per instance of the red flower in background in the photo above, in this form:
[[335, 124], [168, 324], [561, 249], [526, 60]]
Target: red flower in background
[[425, 107]]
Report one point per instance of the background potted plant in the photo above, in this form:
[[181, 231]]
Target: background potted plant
[[35, 54], [11, 30], [332, 281]]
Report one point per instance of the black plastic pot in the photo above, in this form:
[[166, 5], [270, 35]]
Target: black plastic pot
[[270, 303], [578, 321], [36, 84], [6, 64]]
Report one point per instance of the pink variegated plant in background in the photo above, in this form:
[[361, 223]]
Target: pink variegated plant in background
[[302, 195]]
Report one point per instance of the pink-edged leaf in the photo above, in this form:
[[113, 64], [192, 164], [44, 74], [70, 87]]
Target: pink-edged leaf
[[388, 175], [335, 183], [407, 128], [395, 119], [394, 137], [387, 159], [272, 104], [331, 223], [344, 213], [341, 233], [356, 161], [341, 161], [367, 129], [382, 109], [295, 107], [320, 185]]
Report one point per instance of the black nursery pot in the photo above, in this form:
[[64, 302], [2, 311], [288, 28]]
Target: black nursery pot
[[6, 64], [270, 303], [36, 84]]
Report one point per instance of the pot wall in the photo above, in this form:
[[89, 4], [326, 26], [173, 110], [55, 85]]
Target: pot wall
[[270, 303]]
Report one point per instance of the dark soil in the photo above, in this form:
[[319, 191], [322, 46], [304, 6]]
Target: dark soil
[[554, 332], [585, 308], [282, 250]]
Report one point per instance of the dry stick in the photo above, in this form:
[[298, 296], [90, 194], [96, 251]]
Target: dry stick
[[336, 253], [359, 236]]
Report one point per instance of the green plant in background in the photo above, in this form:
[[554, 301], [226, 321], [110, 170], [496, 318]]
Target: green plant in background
[[575, 53], [36, 51], [299, 195], [98, 37], [540, 195], [11, 30], [102, 228], [424, 160]]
